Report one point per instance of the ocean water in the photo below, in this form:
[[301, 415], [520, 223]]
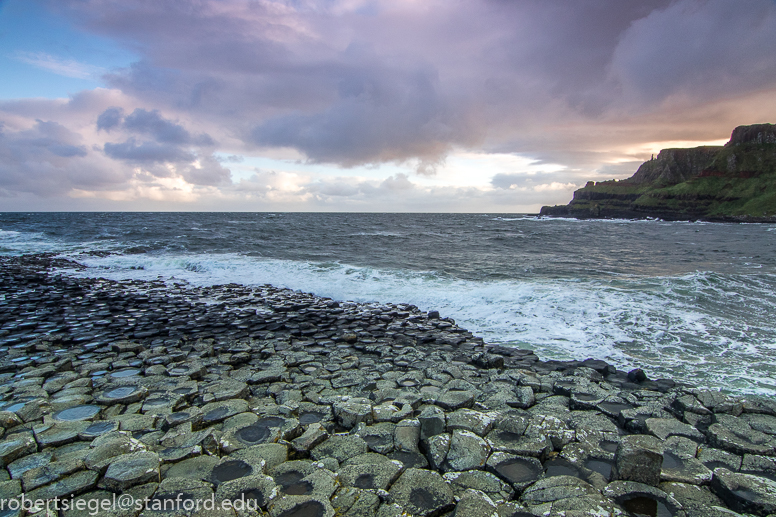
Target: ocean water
[[691, 301]]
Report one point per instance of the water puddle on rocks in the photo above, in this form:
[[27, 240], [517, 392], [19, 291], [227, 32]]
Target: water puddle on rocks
[[424, 499], [298, 488], [120, 392], [253, 434], [74, 414], [310, 418], [98, 428], [603, 467], [129, 372], [608, 445], [306, 509], [365, 481], [643, 506], [229, 470], [518, 471], [560, 467]]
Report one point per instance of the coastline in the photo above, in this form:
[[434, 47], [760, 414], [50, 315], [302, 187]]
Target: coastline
[[373, 400]]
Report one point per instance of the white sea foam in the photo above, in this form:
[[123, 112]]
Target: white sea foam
[[655, 323]]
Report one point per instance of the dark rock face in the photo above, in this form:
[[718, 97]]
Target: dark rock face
[[308, 407]]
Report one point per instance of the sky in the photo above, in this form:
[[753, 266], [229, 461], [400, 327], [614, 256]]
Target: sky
[[364, 105]]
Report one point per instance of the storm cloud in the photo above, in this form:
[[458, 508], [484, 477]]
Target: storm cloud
[[583, 86]]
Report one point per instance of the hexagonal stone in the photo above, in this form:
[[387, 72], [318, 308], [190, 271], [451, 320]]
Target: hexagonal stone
[[340, 447], [506, 441], [422, 493], [639, 458], [639, 498], [496, 489], [467, 451], [740, 438], [378, 437], [469, 420], [75, 484], [519, 471], [666, 427], [369, 476], [301, 506], [25, 463], [216, 412], [15, 446], [353, 412], [49, 473], [121, 395], [745, 493], [556, 488], [272, 454], [354, 502], [192, 468], [254, 491], [684, 470], [474, 503], [130, 470], [455, 399], [77, 413]]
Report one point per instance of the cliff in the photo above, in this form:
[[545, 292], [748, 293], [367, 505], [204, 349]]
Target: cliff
[[734, 182]]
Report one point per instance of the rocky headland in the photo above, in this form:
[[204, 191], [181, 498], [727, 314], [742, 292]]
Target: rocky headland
[[172, 394], [735, 182]]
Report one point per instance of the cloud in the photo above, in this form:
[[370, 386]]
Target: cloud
[[349, 83], [64, 67], [148, 151], [110, 118]]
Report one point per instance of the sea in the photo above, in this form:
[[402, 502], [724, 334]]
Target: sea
[[691, 301]]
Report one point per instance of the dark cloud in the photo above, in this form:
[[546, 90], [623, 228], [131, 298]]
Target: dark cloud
[[147, 151], [110, 118], [48, 159], [582, 84]]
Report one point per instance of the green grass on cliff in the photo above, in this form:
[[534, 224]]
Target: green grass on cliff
[[708, 196]]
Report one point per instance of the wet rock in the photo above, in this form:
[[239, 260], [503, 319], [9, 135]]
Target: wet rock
[[16, 446], [49, 473], [121, 395], [77, 413], [31, 461], [745, 492], [130, 470], [229, 469], [70, 485], [639, 458], [423, 493]]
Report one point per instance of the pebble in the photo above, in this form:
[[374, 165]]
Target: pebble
[[307, 406]]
